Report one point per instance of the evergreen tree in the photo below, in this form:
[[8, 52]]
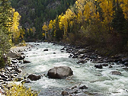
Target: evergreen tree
[[5, 18]]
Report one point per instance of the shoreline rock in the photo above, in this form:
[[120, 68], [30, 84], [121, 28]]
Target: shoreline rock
[[12, 70]]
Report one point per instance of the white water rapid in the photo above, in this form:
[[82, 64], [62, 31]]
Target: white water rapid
[[97, 80]]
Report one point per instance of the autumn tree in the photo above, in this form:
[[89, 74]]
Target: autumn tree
[[45, 28], [15, 26]]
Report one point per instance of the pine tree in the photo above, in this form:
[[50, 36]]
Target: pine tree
[[5, 18]]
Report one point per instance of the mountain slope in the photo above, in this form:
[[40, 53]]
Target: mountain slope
[[35, 12]]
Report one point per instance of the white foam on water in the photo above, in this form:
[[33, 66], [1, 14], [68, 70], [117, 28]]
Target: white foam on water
[[98, 80]]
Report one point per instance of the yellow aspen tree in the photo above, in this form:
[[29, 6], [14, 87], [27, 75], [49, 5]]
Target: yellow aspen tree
[[63, 23], [54, 27], [45, 28], [107, 9], [79, 4], [50, 26], [15, 24], [87, 10], [22, 32], [124, 6]]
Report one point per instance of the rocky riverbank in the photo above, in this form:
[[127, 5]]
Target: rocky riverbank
[[8, 74], [87, 54]]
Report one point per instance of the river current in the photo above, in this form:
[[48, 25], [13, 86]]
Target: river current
[[97, 80]]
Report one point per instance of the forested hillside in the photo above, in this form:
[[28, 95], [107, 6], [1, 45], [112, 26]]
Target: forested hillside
[[101, 24], [35, 12]]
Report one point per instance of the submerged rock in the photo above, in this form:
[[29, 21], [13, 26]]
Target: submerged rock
[[60, 72], [34, 77], [116, 73], [83, 87], [99, 66], [105, 64], [25, 61], [82, 61], [45, 49]]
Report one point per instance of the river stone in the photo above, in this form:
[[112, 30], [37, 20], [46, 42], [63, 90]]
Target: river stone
[[45, 49], [126, 63], [82, 61], [13, 54], [14, 61], [104, 64], [116, 73], [34, 77], [26, 61], [21, 57], [18, 70], [63, 93], [99, 66], [125, 59], [83, 87], [60, 72], [25, 81], [81, 51]]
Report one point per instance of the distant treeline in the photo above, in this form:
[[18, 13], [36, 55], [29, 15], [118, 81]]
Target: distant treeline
[[35, 12]]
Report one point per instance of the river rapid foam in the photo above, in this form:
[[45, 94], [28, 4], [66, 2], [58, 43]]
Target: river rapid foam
[[97, 80]]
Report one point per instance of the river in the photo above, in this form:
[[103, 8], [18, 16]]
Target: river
[[97, 80]]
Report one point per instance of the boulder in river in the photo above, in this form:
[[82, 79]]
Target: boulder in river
[[99, 66], [45, 49], [83, 87], [34, 77], [60, 72], [26, 61], [116, 73], [81, 61]]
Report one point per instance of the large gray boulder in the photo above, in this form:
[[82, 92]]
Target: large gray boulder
[[16, 55], [60, 72]]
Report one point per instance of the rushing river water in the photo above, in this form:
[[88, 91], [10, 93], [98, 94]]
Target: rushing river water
[[97, 80]]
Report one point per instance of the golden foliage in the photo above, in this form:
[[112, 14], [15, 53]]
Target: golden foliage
[[20, 90], [15, 24], [86, 13], [45, 27], [107, 9], [124, 6]]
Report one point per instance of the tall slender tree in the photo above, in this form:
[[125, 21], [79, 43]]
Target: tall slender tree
[[5, 18]]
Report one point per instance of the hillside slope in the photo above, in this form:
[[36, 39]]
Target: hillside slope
[[35, 12]]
